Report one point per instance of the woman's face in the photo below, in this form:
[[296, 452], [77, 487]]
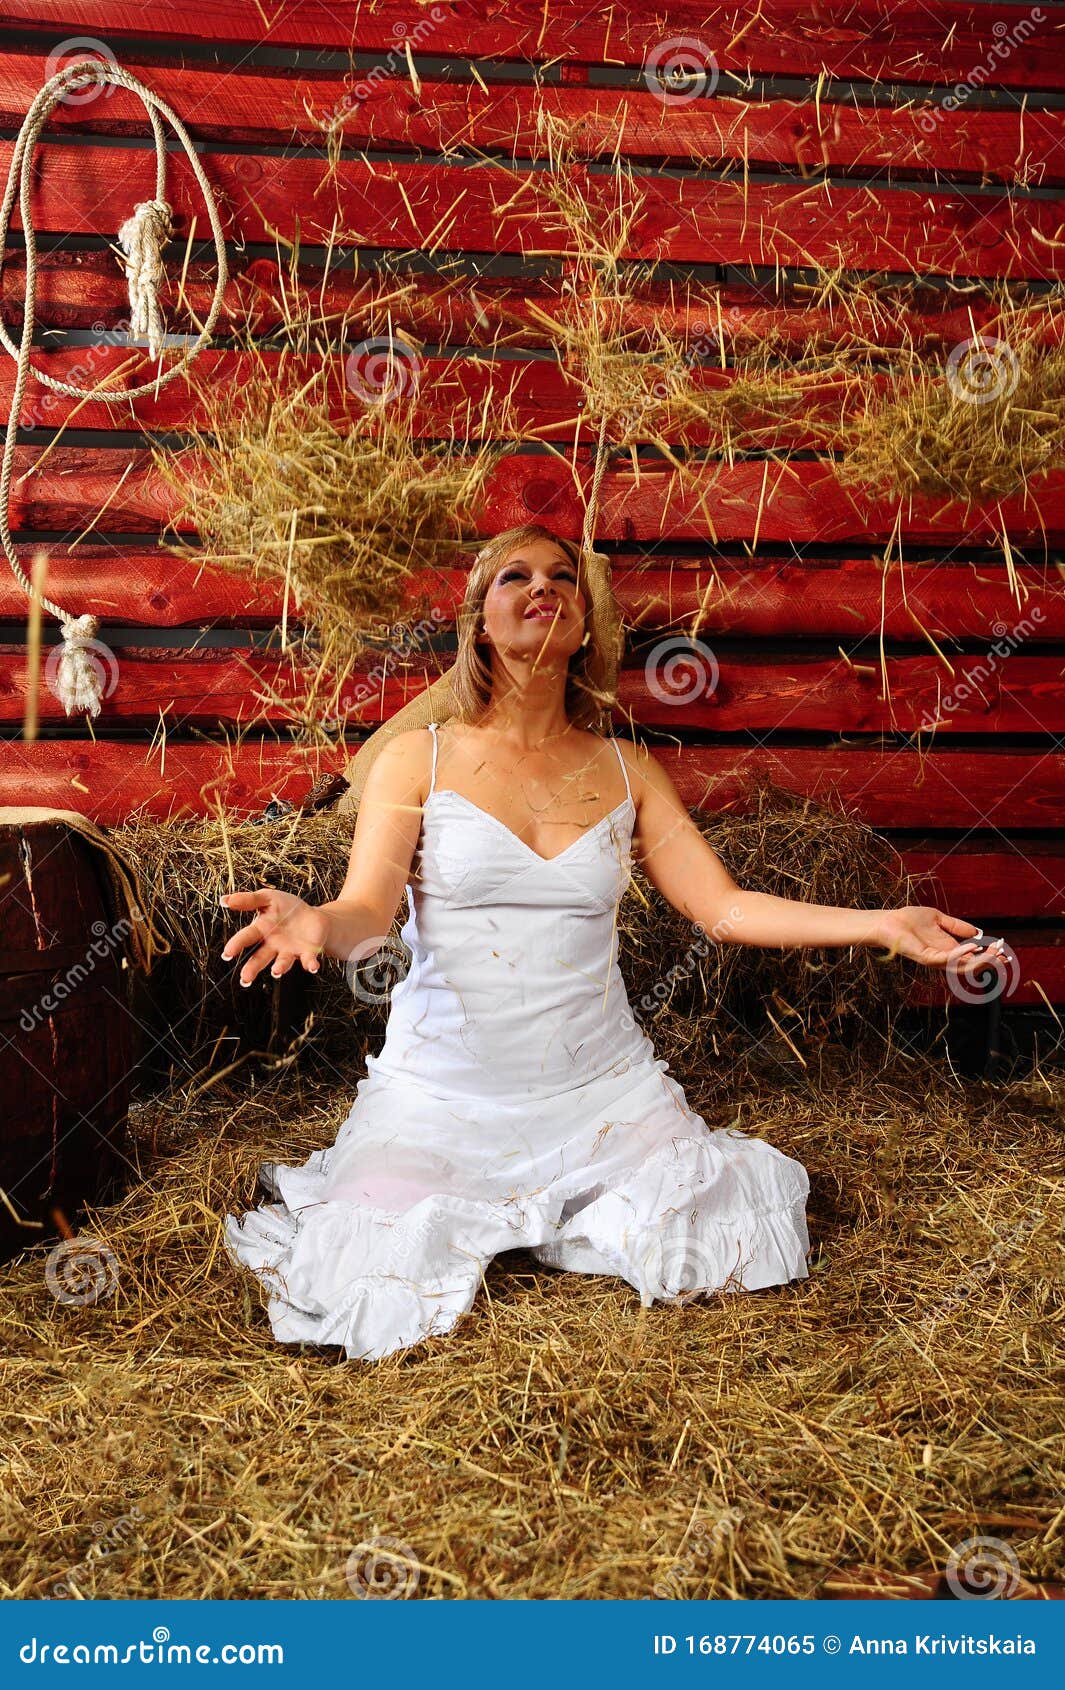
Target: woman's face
[[533, 607]]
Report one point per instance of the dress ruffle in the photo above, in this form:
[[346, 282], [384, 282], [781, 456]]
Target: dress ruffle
[[663, 1231], [342, 1272]]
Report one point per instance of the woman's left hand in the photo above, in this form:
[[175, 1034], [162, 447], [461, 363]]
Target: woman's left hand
[[926, 935]]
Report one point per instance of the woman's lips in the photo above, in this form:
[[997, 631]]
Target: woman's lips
[[542, 615]]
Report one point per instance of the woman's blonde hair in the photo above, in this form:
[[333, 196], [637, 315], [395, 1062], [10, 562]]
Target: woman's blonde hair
[[589, 695], [464, 690]]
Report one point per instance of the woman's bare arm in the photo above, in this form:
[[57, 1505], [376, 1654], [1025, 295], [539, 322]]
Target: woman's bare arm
[[691, 876], [354, 925], [386, 832]]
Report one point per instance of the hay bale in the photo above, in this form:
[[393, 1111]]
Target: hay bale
[[198, 1020], [695, 997], [698, 998]]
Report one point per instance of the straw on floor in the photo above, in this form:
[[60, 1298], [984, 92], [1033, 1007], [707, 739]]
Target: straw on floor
[[562, 1441]]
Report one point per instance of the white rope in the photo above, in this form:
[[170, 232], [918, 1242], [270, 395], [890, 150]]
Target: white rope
[[80, 676]]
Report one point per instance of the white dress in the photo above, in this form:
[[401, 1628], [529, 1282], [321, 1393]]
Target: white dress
[[515, 1103]]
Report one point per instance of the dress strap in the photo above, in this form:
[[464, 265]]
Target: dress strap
[[432, 782], [624, 769]]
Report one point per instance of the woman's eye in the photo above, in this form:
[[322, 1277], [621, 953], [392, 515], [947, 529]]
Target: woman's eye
[[512, 574]]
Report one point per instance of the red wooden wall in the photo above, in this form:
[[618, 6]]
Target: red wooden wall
[[824, 137]]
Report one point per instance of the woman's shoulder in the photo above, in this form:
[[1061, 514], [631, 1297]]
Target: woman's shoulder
[[635, 756], [408, 755]]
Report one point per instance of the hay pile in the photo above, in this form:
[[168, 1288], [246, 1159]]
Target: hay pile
[[793, 1000], [199, 1024], [562, 1442], [703, 1006], [978, 425], [976, 420], [306, 471]]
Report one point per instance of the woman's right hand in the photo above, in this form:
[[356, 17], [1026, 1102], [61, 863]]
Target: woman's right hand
[[285, 928]]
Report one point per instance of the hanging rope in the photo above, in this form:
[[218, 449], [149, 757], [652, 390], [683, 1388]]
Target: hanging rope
[[142, 237], [591, 509]]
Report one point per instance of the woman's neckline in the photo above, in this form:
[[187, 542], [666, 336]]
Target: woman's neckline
[[450, 792], [497, 821]]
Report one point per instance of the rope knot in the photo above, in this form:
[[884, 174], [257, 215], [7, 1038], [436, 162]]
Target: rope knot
[[142, 237], [79, 678]]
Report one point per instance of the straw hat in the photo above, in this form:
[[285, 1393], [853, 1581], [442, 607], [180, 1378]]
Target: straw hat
[[437, 702]]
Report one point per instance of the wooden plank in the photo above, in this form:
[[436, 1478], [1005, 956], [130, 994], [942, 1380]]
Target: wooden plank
[[893, 789], [85, 290], [448, 396], [109, 781], [254, 106], [1018, 883], [795, 502], [453, 207], [848, 598], [935, 42], [461, 396], [680, 687], [456, 396]]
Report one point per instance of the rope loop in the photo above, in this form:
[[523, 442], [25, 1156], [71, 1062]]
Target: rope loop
[[142, 238]]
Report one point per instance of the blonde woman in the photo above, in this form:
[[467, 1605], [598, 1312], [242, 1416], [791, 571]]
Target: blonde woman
[[515, 1100]]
